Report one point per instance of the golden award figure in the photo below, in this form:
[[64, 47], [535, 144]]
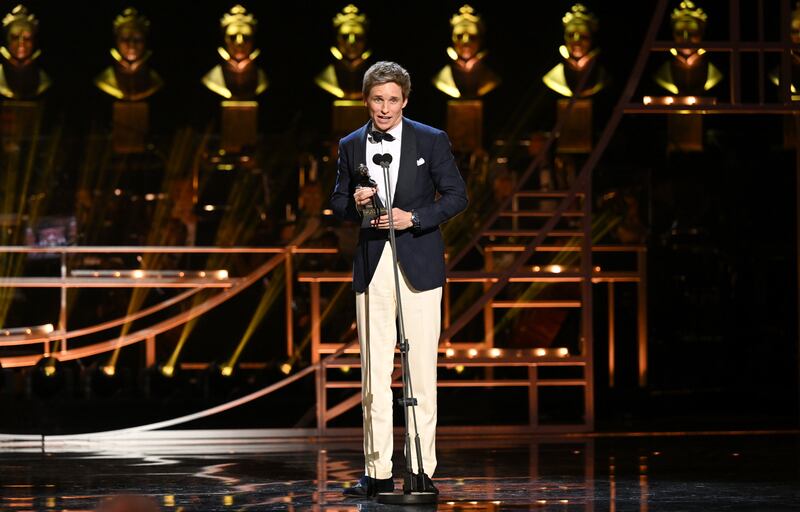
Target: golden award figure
[[688, 72], [688, 75], [22, 81], [466, 79], [578, 75], [791, 124], [342, 78], [130, 80], [238, 79], [20, 76], [794, 35], [579, 57]]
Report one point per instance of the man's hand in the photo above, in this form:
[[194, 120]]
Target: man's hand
[[402, 220], [363, 195]]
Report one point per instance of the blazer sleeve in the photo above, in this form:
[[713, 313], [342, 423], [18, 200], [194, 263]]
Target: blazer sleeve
[[342, 202], [449, 184]]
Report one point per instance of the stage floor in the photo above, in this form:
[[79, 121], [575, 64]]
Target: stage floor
[[676, 472]]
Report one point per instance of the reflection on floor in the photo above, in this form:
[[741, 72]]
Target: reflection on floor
[[734, 472]]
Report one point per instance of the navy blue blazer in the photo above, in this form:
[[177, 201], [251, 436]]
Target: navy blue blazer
[[427, 168]]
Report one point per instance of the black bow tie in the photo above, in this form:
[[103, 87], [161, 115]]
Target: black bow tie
[[376, 136]]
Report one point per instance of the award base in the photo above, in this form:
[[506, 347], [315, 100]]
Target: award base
[[369, 214]]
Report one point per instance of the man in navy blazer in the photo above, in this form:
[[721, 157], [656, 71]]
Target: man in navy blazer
[[425, 190]]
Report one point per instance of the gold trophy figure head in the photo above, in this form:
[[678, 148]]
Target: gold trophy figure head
[[239, 29], [467, 35], [688, 24], [20, 28], [130, 34], [579, 28], [351, 32]]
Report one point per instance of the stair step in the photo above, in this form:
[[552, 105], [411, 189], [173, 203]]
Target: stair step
[[507, 304], [531, 233], [567, 213], [542, 194]]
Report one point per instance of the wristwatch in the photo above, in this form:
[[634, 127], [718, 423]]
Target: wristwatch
[[414, 219]]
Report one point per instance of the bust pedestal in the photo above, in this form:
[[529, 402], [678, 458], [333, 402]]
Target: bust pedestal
[[465, 125], [239, 125]]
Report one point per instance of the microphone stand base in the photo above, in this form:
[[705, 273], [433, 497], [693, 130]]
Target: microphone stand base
[[408, 498]]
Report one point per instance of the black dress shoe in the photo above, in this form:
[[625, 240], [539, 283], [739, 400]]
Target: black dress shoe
[[368, 487], [419, 483]]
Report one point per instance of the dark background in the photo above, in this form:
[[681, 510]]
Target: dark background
[[721, 224]]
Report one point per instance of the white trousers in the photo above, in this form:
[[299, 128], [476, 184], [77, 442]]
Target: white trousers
[[376, 313]]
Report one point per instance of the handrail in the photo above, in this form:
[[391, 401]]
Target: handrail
[[176, 320]]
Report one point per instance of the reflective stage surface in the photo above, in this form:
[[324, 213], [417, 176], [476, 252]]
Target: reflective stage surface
[[613, 473]]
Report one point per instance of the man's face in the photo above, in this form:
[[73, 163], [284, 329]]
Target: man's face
[[466, 40], [239, 41], [130, 43], [351, 41], [20, 41], [385, 104]]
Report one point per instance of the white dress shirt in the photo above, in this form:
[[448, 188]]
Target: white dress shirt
[[375, 170]]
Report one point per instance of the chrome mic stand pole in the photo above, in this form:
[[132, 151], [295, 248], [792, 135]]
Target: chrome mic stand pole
[[415, 491]]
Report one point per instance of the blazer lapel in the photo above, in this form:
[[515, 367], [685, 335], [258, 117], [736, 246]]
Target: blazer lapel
[[361, 146], [407, 170]]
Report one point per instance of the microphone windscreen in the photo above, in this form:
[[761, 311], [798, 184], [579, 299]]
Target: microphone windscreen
[[382, 159]]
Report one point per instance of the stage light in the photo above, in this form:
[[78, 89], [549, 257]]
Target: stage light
[[669, 100], [226, 371], [167, 371], [539, 352], [597, 268], [460, 369], [117, 192], [691, 100], [327, 211], [536, 268], [563, 352], [472, 352], [209, 208], [137, 274], [556, 269], [286, 368], [202, 274], [104, 380], [222, 274], [47, 378], [345, 369], [495, 352], [647, 100], [449, 352]]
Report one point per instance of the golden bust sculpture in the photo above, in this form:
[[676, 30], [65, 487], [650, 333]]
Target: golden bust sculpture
[[20, 75], [237, 77], [579, 57], [689, 72], [343, 77], [467, 76], [130, 78], [794, 34]]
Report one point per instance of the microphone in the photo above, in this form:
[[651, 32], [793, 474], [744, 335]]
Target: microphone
[[382, 159]]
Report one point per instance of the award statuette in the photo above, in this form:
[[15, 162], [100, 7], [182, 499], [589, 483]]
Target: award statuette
[[374, 209]]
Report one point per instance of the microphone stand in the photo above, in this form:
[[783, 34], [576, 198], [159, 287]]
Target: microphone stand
[[415, 490]]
